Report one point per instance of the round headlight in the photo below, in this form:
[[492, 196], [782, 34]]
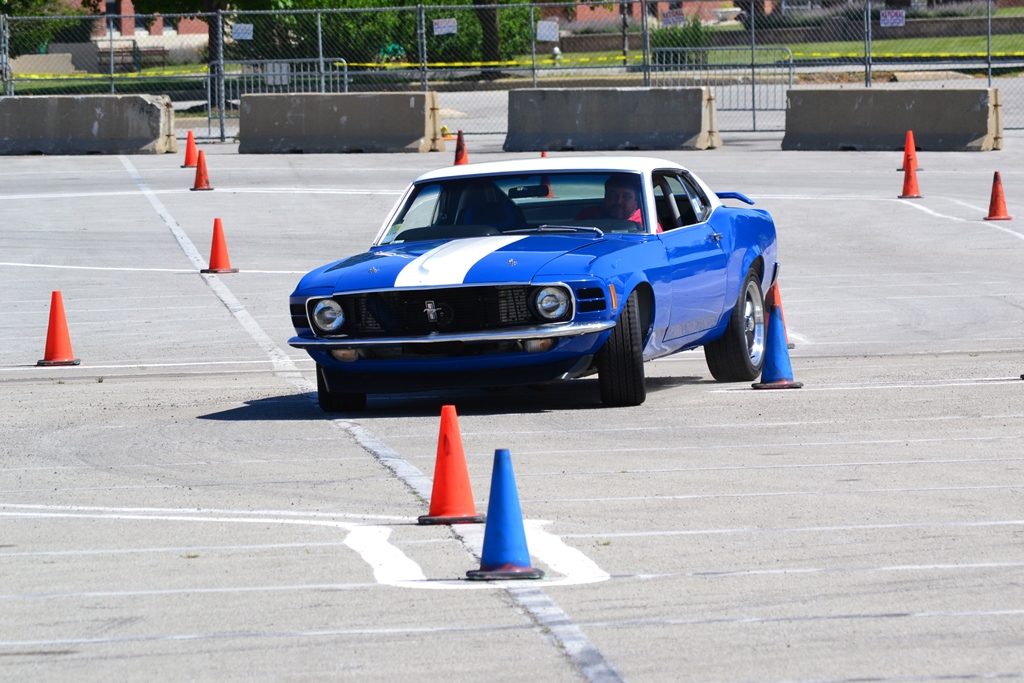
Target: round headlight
[[328, 316], [551, 302]]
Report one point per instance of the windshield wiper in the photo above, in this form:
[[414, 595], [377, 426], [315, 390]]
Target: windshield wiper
[[559, 228]]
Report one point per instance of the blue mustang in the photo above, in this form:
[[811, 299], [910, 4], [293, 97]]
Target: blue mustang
[[540, 270]]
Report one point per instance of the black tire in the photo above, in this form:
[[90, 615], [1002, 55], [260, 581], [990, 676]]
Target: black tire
[[335, 401], [737, 356], [620, 362]]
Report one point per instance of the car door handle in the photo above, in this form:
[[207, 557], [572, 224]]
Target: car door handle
[[715, 237]]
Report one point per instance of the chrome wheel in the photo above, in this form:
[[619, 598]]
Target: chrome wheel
[[753, 322]]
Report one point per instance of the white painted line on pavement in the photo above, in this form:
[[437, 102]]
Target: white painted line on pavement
[[794, 466], [721, 426], [131, 270], [475, 629], [148, 366], [800, 529], [301, 515], [729, 573], [936, 214], [819, 617], [102, 552], [220, 190], [778, 494], [142, 270], [763, 445], [186, 591], [986, 381]]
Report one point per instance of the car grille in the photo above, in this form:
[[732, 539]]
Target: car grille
[[423, 311]]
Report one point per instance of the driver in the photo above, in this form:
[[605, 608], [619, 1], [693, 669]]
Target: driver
[[621, 200]]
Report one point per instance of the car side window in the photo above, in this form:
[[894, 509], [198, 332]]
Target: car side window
[[701, 205], [670, 181]]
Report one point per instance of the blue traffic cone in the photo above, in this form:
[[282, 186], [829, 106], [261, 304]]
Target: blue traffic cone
[[777, 373], [505, 555]]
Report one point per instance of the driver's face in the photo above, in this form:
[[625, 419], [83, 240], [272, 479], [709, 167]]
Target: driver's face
[[619, 202]]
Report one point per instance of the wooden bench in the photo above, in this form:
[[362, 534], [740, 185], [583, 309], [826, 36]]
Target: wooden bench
[[131, 58]]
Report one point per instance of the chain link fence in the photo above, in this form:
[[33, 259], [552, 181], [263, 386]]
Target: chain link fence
[[748, 51]]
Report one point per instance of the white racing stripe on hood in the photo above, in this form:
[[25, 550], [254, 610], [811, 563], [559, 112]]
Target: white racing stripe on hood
[[449, 263]]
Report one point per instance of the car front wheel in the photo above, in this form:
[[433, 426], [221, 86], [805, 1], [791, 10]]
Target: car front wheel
[[739, 354], [337, 402], [620, 362]]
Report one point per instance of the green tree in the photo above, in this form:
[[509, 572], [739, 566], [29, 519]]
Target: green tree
[[29, 36]]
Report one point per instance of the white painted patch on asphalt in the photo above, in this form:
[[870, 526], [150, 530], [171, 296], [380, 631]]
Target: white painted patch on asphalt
[[560, 557], [575, 567], [390, 565]]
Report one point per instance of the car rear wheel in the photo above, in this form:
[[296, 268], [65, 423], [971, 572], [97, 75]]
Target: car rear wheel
[[620, 362], [739, 354], [335, 401]]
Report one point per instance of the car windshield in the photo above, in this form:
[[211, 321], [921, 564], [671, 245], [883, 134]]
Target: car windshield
[[494, 205]]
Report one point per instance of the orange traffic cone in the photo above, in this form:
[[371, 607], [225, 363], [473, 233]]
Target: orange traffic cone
[[910, 189], [219, 261], [451, 499], [543, 154], [909, 153], [460, 151], [202, 179], [58, 342], [546, 182], [773, 299], [191, 157], [997, 205]]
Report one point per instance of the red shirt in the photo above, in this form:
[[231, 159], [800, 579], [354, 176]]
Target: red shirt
[[596, 212]]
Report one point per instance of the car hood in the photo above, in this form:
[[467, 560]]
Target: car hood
[[474, 260]]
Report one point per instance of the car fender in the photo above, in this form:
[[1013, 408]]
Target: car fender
[[748, 234]]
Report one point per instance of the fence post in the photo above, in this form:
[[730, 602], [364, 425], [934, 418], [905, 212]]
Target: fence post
[[867, 44], [533, 46], [110, 40], [320, 48], [646, 37], [421, 35], [753, 65], [5, 75], [988, 48], [221, 99]]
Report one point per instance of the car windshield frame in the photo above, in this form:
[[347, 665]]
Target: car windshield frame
[[459, 207]]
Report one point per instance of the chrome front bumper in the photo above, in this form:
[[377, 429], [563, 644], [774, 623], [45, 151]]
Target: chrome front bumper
[[538, 332]]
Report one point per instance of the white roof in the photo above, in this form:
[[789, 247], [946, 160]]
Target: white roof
[[545, 165]]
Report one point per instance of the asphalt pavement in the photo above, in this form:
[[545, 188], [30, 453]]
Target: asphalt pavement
[[176, 507]]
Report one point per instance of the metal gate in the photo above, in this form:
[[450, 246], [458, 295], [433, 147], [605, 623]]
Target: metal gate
[[323, 75], [744, 81]]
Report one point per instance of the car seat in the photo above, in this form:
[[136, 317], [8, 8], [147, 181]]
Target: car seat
[[485, 204]]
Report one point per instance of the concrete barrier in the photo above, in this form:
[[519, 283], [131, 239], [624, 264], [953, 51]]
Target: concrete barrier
[[943, 119], [87, 124], [329, 123], [595, 119], [42, 64]]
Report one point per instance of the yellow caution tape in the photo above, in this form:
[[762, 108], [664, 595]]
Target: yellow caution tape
[[546, 61]]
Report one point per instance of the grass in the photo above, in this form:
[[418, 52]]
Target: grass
[[973, 46]]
